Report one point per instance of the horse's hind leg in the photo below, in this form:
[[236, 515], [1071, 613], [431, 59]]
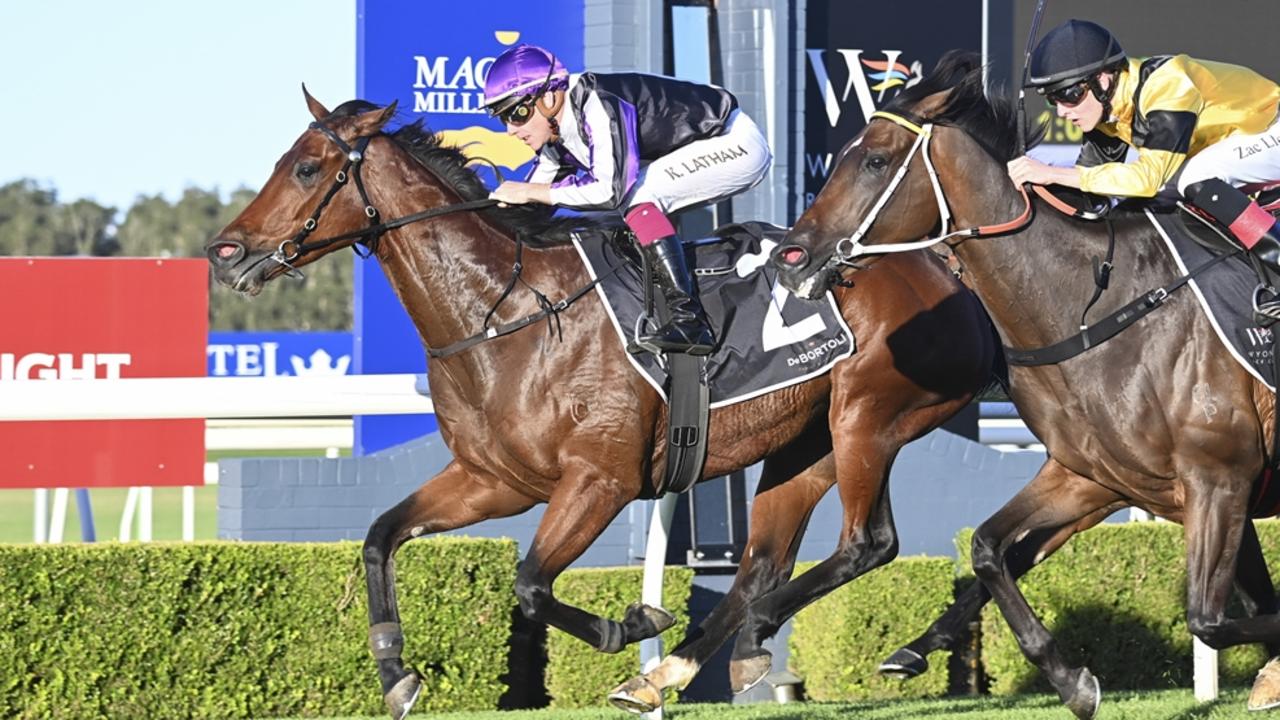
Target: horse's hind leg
[[1054, 498], [450, 500], [779, 513], [867, 541], [912, 659], [581, 507]]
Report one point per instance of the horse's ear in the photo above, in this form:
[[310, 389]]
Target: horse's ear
[[369, 123], [318, 111], [931, 105]]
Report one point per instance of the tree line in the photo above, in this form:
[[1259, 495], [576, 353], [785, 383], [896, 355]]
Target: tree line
[[34, 222]]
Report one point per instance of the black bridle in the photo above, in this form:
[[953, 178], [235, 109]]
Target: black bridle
[[297, 246]]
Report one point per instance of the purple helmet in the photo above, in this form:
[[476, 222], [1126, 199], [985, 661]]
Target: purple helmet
[[520, 72]]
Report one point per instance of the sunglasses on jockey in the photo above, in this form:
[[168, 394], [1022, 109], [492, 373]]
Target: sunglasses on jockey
[[1069, 96], [522, 112]]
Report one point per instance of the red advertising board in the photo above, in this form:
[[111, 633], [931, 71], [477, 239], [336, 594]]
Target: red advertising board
[[66, 319]]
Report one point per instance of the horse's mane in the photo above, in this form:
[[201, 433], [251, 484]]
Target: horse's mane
[[988, 116], [538, 223]]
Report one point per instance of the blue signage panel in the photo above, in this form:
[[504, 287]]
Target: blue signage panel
[[433, 58], [274, 354]]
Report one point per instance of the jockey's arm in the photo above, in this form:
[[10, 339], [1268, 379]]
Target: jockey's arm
[[1171, 105], [513, 192], [614, 157], [1027, 169]]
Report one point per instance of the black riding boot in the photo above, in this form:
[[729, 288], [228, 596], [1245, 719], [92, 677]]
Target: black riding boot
[[688, 330], [1268, 250]]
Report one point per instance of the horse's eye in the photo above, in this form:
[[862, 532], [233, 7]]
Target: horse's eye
[[877, 162], [305, 171]]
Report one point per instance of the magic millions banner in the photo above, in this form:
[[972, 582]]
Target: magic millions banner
[[433, 58], [860, 55]]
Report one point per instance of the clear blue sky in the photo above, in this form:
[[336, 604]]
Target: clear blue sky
[[110, 99]]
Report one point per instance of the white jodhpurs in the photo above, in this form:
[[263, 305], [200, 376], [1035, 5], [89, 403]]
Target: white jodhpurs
[[705, 171]]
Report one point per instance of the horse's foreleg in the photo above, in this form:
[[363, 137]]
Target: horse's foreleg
[[582, 506], [912, 659], [779, 513], [1054, 498], [455, 498], [868, 540]]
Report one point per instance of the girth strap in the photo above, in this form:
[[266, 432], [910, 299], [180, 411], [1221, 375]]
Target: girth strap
[[1107, 327]]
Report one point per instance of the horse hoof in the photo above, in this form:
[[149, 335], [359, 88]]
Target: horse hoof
[[904, 664], [636, 695], [1085, 697], [401, 698], [1266, 687], [746, 673], [651, 620]]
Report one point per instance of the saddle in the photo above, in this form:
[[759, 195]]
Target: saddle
[[767, 340]]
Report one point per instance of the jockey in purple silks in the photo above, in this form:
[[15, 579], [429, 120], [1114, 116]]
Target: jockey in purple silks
[[645, 145]]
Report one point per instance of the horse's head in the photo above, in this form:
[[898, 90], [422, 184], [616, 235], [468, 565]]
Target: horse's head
[[306, 195], [879, 190], [861, 175]]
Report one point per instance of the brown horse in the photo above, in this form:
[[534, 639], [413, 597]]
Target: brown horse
[[1160, 416], [562, 419]]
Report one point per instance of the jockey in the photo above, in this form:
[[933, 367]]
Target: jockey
[[1207, 131], [645, 145]]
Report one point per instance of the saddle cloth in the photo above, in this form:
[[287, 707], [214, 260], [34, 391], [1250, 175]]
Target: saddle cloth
[[1225, 291], [767, 339]]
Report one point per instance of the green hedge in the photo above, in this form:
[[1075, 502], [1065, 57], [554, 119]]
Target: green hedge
[[229, 630], [579, 676], [1115, 600], [838, 642]]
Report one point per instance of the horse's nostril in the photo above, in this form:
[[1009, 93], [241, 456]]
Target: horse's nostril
[[225, 253], [792, 255]]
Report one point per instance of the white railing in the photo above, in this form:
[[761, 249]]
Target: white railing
[[256, 397], [212, 398]]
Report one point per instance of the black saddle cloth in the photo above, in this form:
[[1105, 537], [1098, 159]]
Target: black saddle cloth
[[767, 339], [1225, 291]]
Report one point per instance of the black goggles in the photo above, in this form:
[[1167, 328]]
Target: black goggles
[[1069, 96], [518, 114]]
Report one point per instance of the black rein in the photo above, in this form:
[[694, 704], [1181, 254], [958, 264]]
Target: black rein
[[297, 246]]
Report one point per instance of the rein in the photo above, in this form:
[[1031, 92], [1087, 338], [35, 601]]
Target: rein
[[1090, 335], [297, 246], [293, 248], [851, 247]]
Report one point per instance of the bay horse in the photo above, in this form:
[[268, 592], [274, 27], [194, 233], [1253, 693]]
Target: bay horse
[[1158, 417], [561, 418]]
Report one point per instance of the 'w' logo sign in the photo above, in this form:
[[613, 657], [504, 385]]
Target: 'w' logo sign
[[887, 74]]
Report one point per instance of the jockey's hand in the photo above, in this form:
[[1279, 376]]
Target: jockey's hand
[[1027, 169], [512, 192]]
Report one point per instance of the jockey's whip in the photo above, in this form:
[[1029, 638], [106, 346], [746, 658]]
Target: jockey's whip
[[1026, 70]]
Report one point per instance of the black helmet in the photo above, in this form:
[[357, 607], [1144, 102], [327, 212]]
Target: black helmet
[[1074, 51]]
